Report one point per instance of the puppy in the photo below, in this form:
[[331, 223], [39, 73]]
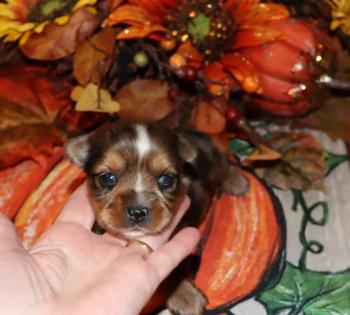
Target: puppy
[[138, 175]]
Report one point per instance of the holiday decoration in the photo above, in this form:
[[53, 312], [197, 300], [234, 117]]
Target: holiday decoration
[[20, 19], [255, 76], [205, 35]]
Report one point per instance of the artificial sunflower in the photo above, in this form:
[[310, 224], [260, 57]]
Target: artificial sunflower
[[21, 18], [204, 35], [341, 15]]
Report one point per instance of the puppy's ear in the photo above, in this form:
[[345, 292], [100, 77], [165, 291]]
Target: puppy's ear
[[77, 150], [186, 148]]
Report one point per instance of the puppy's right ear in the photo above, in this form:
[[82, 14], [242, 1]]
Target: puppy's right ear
[[77, 150]]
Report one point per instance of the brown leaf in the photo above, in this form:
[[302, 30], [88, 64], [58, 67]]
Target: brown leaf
[[58, 41], [30, 99], [262, 153], [93, 59], [207, 118], [333, 118], [144, 101], [301, 165]]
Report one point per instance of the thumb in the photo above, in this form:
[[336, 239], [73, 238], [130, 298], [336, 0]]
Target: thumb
[[8, 235]]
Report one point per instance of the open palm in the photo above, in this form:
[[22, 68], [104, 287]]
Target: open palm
[[71, 270]]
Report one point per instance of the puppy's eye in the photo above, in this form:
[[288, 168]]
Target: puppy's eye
[[108, 180], [166, 181]]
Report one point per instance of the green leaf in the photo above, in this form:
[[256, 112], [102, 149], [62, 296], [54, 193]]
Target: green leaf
[[199, 27], [334, 160], [309, 292], [240, 147]]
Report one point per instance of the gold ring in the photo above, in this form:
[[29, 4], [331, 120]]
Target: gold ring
[[144, 245]]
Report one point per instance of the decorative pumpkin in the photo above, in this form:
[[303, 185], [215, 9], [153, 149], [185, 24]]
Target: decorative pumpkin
[[242, 249], [43, 206], [289, 68]]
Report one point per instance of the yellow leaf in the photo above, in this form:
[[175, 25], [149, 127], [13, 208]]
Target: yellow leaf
[[93, 99]]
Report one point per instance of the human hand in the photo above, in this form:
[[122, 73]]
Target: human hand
[[71, 270]]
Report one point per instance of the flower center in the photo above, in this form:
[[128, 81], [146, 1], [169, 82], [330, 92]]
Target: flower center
[[208, 24], [47, 10]]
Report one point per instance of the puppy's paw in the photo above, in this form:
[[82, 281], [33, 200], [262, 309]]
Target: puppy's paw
[[235, 183], [187, 299]]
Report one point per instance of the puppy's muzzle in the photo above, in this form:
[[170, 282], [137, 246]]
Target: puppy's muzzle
[[137, 214]]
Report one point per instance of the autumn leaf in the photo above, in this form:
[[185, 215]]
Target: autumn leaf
[[27, 114], [93, 59], [34, 91], [58, 41], [333, 118], [93, 99], [144, 101], [262, 153], [301, 164], [207, 118]]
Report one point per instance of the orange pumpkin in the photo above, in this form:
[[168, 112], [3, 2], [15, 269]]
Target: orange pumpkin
[[43, 206], [243, 249], [288, 68], [17, 182], [244, 243]]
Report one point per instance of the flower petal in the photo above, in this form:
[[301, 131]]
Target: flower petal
[[155, 7], [130, 15], [83, 3], [243, 71], [141, 31], [217, 79], [13, 19], [16, 10]]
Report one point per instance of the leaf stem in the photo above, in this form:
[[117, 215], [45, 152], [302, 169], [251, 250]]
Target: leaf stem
[[312, 246]]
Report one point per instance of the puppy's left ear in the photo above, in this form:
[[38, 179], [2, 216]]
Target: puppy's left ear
[[77, 150]]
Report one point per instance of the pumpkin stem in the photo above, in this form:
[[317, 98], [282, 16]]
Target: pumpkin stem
[[332, 83]]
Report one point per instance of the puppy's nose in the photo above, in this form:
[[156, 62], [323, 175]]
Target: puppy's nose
[[137, 214]]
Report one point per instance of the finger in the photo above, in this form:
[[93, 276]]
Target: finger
[[114, 239], [8, 235], [155, 241], [166, 258], [78, 209]]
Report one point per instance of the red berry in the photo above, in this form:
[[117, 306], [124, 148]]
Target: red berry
[[233, 115], [173, 93], [190, 73]]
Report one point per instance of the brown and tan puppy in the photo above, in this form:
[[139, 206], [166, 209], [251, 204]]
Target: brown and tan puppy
[[138, 174]]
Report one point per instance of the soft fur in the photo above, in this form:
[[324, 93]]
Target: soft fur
[[139, 155]]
